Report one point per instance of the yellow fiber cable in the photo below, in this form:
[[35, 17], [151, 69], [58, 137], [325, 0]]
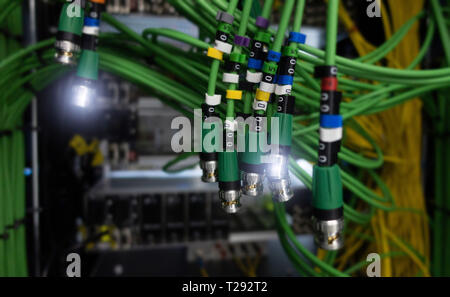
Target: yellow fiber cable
[[408, 251]]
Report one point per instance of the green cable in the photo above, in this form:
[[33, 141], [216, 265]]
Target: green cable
[[213, 77], [119, 26], [443, 31], [300, 8], [7, 11], [302, 267], [247, 102], [245, 17], [393, 101], [177, 36], [364, 262], [267, 7], [8, 210], [378, 71], [390, 44], [3, 198], [331, 34], [237, 50], [282, 27], [369, 98], [299, 265], [425, 46], [216, 63], [191, 14], [179, 158], [279, 211], [219, 5], [441, 260], [360, 190], [248, 96], [24, 52], [20, 185]]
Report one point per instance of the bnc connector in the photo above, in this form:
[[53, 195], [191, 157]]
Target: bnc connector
[[252, 184], [209, 169], [281, 189], [66, 52], [231, 200], [278, 176], [328, 234]]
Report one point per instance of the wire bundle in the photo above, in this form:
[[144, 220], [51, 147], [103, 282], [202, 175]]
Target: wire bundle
[[12, 153], [180, 78]]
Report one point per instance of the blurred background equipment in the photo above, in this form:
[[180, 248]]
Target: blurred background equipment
[[86, 163]]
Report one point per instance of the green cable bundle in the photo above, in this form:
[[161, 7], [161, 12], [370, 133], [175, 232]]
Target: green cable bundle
[[181, 78], [12, 153]]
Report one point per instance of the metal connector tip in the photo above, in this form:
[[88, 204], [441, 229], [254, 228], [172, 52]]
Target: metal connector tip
[[328, 234], [281, 189], [231, 200], [279, 181], [66, 52], [252, 184], [209, 171], [65, 58]]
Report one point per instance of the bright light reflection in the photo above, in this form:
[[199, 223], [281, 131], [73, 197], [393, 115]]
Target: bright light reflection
[[82, 96]]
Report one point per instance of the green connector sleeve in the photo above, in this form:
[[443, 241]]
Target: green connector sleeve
[[224, 27], [238, 57], [228, 167], [270, 67], [327, 187], [290, 51], [70, 20], [241, 136], [285, 128], [210, 147], [252, 157], [204, 133], [88, 65], [263, 37]]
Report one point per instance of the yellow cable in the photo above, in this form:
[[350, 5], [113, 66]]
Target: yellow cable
[[241, 266], [408, 251]]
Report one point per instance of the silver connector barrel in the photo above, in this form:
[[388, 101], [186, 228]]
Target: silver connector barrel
[[278, 176], [252, 184], [328, 234], [230, 200], [66, 52], [209, 169]]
